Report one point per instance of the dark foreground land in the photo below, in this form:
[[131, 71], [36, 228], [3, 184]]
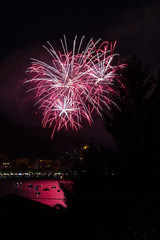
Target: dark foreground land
[[106, 218]]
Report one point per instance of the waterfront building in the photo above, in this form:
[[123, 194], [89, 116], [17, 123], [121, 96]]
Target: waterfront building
[[6, 162]]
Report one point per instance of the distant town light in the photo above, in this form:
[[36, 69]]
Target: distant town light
[[85, 147]]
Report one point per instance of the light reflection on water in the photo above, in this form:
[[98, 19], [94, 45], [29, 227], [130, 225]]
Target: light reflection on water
[[51, 197]]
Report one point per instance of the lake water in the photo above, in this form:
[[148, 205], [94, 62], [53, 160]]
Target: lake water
[[26, 188]]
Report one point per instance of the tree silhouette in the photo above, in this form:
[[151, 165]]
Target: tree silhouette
[[133, 120], [91, 171]]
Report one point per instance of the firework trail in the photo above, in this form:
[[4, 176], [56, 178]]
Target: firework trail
[[75, 84]]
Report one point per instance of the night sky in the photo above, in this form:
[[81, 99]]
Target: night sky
[[27, 25]]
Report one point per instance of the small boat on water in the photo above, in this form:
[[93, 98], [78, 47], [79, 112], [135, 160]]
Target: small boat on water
[[46, 189], [18, 185], [37, 193]]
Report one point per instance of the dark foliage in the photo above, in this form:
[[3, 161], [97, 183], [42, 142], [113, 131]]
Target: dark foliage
[[134, 123]]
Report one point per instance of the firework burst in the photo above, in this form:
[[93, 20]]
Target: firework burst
[[75, 84]]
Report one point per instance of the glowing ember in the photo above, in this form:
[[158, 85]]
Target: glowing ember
[[75, 84]]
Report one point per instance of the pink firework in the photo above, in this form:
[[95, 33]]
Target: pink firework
[[75, 84]]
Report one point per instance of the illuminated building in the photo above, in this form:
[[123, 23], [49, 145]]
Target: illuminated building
[[5, 162], [46, 164]]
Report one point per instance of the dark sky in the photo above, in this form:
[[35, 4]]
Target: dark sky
[[25, 26]]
